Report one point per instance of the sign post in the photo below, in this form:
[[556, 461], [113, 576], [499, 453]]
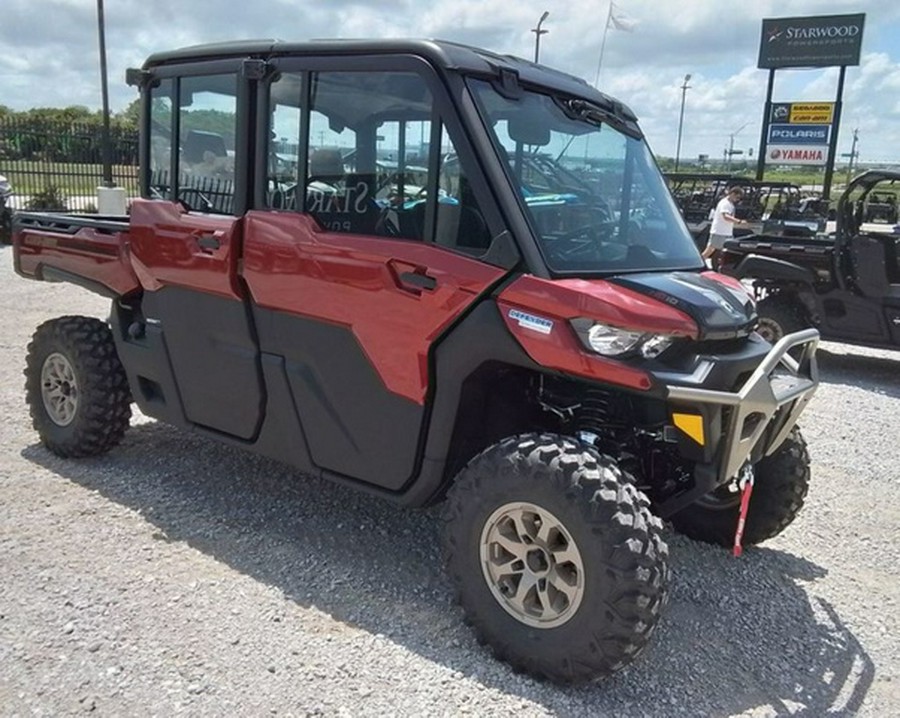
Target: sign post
[[763, 138], [832, 148]]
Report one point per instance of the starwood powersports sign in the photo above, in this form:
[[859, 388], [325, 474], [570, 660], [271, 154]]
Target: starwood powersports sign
[[823, 41]]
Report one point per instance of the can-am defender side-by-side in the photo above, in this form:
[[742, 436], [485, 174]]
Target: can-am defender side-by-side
[[434, 273]]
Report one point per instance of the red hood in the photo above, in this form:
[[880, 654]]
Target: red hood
[[600, 300]]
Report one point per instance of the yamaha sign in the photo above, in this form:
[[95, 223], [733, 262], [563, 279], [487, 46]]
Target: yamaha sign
[[822, 41], [797, 154]]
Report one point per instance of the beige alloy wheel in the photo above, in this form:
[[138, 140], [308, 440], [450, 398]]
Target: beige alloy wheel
[[59, 389], [532, 565]]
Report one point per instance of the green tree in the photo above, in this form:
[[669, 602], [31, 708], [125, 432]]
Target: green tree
[[130, 116]]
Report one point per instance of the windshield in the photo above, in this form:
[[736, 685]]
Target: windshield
[[593, 194]]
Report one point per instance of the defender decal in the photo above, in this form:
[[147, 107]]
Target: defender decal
[[530, 321]]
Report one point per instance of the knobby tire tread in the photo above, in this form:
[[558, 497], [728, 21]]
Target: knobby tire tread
[[104, 402], [779, 491], [633, 556]]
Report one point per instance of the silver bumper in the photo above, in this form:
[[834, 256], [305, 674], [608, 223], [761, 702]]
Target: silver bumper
[[767, 406]]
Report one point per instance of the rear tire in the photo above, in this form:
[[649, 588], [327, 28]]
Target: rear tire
[[76, 388], [781, 482], [557, 561]]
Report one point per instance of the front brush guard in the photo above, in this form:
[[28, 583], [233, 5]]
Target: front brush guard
[[764, 410]]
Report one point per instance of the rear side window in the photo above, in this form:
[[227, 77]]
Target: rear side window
[[367, 153], [193, 125]]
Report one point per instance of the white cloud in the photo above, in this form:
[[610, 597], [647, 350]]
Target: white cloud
[[48, 53]]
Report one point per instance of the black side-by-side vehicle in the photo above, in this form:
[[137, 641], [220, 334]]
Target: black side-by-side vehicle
[[847, 285]]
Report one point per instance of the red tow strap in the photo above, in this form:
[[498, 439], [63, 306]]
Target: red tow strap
[[746, 490]]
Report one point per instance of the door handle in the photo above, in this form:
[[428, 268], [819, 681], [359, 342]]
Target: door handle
[[418, 282], [208, 242]]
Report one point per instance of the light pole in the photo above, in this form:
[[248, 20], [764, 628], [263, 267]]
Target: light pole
[[684, 89], [104, 92], [537, 35]]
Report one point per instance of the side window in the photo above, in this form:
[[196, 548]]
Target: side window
[[346, 111], [283, 156], [161, 139], [372, 146], [460, 221], [206, 139]]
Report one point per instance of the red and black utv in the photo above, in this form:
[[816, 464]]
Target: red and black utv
[[434, 273]]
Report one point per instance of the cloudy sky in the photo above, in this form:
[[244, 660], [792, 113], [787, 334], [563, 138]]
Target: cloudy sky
[[49, 56]]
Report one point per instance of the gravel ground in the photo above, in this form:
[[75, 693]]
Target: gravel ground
[[176, 576]]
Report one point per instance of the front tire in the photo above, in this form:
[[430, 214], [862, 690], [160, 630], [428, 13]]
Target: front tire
[[781, 482], [76, 388], [778, 317], [557, 561]]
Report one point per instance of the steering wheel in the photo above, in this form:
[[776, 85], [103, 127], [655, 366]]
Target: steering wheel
[[589, 241], [594, 231]]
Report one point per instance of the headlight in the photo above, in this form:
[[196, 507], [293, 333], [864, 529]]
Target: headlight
[[612, 341]]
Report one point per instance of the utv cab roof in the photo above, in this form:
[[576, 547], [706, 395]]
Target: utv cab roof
[[444, 55]]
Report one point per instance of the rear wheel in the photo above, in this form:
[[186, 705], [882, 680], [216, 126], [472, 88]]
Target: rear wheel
[[778, 317], [557, 560], [781, 482], [76, 388]]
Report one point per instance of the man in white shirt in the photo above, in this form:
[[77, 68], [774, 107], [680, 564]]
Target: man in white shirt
[[723, 224]]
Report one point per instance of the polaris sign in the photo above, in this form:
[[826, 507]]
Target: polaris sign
[[799, 134], [811, 41]]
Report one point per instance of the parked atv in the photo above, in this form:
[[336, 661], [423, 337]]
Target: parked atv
[[533, 339]]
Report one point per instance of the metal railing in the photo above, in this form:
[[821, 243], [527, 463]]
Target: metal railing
[[58, 166]]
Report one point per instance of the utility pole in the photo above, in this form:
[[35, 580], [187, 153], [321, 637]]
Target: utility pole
[[684, 89], [537, 35], [731, 151], [853, 154]]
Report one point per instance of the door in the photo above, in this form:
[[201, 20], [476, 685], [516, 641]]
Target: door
[[185, 248], [349, 283]]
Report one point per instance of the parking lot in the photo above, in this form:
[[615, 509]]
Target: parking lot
[[176, 576]]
